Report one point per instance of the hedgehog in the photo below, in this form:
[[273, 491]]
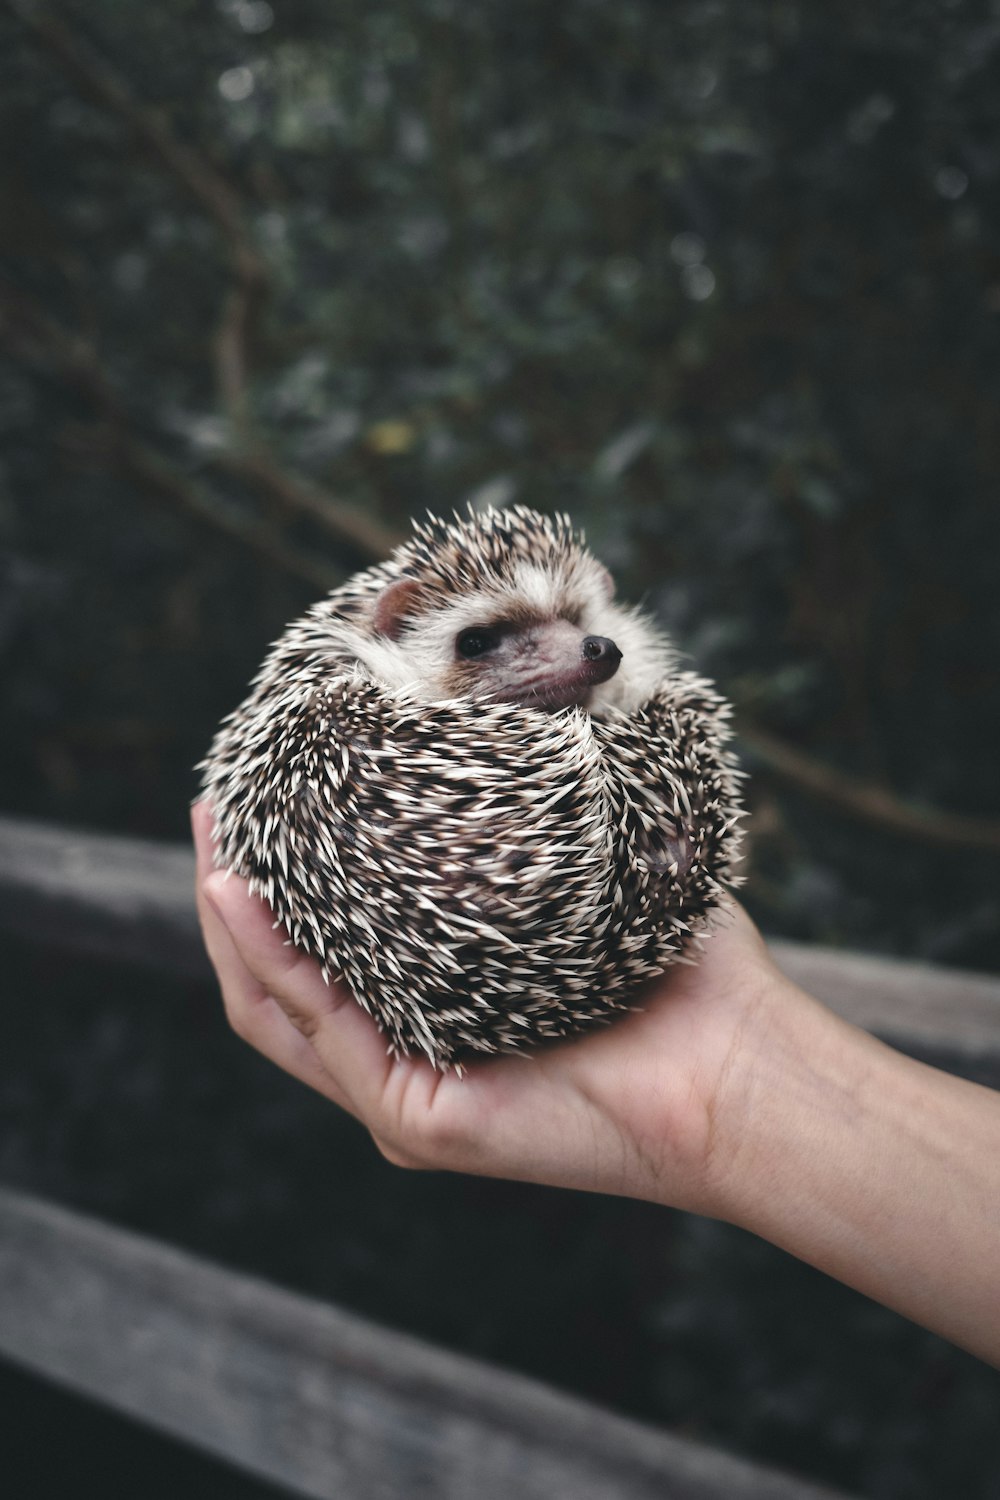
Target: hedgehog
[[480, 790]]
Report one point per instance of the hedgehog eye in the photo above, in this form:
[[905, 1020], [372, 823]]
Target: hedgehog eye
[[477, 641]]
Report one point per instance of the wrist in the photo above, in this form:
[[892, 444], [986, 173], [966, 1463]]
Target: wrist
[[871, 1166], [794, 1074]]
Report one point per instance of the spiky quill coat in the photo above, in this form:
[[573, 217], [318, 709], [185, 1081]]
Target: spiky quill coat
[[484, 876]]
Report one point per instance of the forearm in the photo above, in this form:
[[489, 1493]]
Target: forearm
[[879, 1170]]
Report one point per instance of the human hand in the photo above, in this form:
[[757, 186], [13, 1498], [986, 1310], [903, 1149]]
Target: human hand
[[645, 1107], [732, 1093]]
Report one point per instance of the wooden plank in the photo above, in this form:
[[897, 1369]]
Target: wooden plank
[[922, 1005], [317, 1399], [132, 899], [97, 893]]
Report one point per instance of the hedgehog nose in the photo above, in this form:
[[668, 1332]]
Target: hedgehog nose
[[601, 658], [599, 648]]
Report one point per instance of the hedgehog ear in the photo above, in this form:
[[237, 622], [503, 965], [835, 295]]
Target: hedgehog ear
[[395, 605], [605, 582]]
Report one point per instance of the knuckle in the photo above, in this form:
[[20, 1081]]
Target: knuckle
[[445, 1139], [238, 1019], [396, 1155], [424, 1125], [305, 1022], [442, 1139]]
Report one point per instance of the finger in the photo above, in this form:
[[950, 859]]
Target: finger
[[345, 1041], [257, 970], [251, 1011], [418, 1117], [349, 1045], [233, 975]]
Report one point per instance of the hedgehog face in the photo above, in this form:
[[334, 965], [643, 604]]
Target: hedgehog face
[[506, 606], [529, 635], [540, 663]]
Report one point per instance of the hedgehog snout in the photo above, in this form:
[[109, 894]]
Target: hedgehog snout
[[602, 656]]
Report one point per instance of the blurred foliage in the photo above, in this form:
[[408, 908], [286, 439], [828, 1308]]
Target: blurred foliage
[[722, 278]]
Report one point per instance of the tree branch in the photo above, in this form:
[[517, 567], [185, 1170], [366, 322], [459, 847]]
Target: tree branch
[[364, 534], [870, 803], [98, 82], [38, 340], [251, 459], [161, 478]]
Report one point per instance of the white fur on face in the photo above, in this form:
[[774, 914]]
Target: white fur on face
[[421, 662]]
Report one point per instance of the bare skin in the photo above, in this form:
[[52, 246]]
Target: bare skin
[[732, 1094]]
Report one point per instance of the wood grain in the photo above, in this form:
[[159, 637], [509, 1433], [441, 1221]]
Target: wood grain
[[300, 1392]]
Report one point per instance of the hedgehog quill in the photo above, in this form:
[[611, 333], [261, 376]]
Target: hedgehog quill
[[481, 790]]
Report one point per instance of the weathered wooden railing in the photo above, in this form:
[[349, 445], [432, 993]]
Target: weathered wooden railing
[[297, 1391]]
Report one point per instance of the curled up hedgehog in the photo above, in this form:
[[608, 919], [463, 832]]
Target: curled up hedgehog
[[479, 789]]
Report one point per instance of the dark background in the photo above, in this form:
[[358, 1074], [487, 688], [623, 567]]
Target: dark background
[[722, 279]]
